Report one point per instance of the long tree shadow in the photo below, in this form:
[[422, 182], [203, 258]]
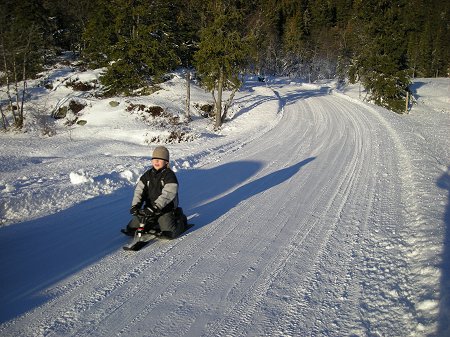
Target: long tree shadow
[[444, 305], [37, 254], [210, 211], [284, 100], [200, 185]]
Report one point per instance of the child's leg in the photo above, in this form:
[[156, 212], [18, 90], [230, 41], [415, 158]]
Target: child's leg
[[169, 225], [134, 223], [132, 226]]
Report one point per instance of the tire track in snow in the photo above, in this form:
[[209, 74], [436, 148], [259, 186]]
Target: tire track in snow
[[227, 238], [246, 308], [217, 275], [333, 286], [289, 257], [86, 301], [322, 231], [85, 292], [396, 258]]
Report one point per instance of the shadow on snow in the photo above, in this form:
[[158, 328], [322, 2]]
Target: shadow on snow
[[212, 210], [36, 255], [444, 305]]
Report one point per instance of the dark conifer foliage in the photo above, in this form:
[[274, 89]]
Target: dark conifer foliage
[[134, 39], [223, 50], [24, 35], [381, 43], [380, 54]]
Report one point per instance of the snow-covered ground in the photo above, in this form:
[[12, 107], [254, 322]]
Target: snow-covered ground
[[317, 214]]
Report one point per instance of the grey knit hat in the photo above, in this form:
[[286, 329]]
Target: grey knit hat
[[161, 152]]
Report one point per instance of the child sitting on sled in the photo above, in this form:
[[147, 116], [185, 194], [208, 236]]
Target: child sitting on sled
[[155, 199]]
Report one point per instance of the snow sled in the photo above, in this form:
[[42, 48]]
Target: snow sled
[[149, 230]]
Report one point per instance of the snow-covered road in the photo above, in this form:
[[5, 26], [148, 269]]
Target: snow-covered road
[[304, 230]]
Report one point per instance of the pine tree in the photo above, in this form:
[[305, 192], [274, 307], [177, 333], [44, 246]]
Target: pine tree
[[265, 25], [134, 40], [69, 19], [222, 53], [99, 35], [438, 34], [380, 61], [188, 22]]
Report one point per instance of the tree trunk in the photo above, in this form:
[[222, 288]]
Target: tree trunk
[[19, 120], [8, 85], [188, 95], [228, 104], [4, 119], [24, 79], [218, 123], [407, 101]]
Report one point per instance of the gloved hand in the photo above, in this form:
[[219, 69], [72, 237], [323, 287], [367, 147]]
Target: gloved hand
[[134, 210], [152, 211]]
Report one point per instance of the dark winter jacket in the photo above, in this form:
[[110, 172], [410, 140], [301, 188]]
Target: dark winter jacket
[[159, 188]]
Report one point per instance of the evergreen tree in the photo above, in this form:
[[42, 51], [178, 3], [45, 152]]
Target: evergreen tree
[[188, 22], [380, 61], [222, 52], [69, 19], [265, 24], [99, 35], [437, 36], [24, 30], [376, 41], [134, 39]]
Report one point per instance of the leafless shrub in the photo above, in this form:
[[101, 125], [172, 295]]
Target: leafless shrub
[[206, 110], [155, 111], [175, 136], [81, 86], [135, 107], [44, 122], [76, 106]]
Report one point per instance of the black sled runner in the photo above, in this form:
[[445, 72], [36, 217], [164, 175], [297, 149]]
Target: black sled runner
[[140, 240]]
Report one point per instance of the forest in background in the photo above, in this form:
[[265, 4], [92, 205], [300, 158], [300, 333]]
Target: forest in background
[[381, 44]]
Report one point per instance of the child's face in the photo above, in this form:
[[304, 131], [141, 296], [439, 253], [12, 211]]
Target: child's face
[[158, 163]]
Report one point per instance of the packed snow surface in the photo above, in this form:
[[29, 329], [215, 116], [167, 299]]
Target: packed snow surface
[[316, 214]]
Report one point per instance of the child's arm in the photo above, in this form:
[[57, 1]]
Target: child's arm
[[139, 191], [168, 194]]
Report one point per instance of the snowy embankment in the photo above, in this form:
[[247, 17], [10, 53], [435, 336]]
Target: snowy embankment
[[315, 213]]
